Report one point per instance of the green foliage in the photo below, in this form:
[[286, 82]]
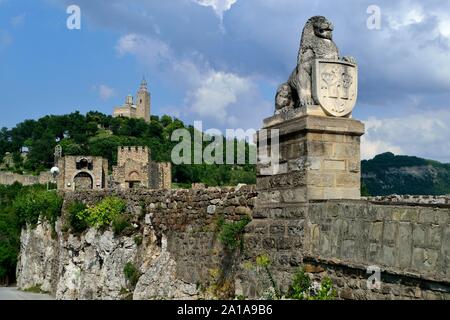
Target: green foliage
[[121, 225], [138, 240], [263, 261], [364, 190], [75, 210], [103, 213], [99, 135], [10, 228], [326, 291], [302, 288], [132, 274], [231, 233], [299, 288], [37, 203]]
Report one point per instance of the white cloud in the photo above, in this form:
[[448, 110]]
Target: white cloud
[[105, 92], [403, 18], [219, 6], [422, 134], [218, 92], [215, 96], [148, 49], [18, 21]]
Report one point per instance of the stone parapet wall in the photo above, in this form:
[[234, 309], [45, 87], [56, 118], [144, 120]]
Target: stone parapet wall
[[8, 178], [181, 255], [410, 199], [409, 243]]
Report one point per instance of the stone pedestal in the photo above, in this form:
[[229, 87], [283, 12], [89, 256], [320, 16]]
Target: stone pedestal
[[319, 159]]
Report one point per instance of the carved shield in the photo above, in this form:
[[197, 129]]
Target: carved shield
[[335, 86]]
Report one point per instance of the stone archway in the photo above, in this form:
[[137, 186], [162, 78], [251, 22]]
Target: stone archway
[[83, 181], [133, 180]]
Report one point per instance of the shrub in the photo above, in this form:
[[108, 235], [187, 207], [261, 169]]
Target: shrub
[[37, 203], [302, 288], [103, 213], [138, 240], [299, 288], [231, 233], [75, 210], [121, 225], [132, 274], [326, 291], [264, 262]]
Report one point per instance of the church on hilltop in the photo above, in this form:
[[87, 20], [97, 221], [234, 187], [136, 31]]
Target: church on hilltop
[[138, 108]]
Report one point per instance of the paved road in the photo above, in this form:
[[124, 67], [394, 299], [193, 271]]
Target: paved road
[[10, 293]]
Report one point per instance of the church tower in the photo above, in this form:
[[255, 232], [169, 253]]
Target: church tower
[[143, 102]]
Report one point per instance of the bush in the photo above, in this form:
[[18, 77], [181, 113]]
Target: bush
[[231, 233], [138, 240], [35, 203], [299, 288], [121, 225], [103, 213], [303, 288], [132, 274], [75, 210]]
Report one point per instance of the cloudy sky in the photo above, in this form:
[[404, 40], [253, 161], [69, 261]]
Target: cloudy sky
[[220, 61]]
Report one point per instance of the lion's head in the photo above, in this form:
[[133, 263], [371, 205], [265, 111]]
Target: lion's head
[[323, 28]]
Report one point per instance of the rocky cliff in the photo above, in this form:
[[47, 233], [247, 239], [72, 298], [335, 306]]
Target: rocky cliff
[[174, 247]]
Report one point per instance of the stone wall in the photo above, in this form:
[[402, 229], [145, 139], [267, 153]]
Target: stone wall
[[181, 256], [409, 243], [8, 178]]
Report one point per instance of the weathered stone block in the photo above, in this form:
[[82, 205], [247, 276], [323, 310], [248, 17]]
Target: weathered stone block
[[334, 165], [424, 260], [404, 246], [427, 215], [376, 231], [389, 255], [293, 195], [342, 193], [349, 180], [390, 232], [434, 238], [419, 232], [405, 214], [320, 179], [344, 151]]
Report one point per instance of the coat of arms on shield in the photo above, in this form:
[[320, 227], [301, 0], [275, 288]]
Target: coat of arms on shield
[[335, 86]]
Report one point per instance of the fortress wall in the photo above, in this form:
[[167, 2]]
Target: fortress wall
[[181, 256], [8, 178]]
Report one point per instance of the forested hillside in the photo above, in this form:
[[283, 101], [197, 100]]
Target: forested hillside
[[389, 174], [96, 134]]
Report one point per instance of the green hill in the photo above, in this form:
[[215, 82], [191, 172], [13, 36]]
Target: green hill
[[96, 134], [389, 174]]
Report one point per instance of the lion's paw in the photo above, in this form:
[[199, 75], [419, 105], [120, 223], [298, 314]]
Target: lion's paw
[[349, 59], [306, 101]]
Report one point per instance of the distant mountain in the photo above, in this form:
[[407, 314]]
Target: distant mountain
[[390, 174]]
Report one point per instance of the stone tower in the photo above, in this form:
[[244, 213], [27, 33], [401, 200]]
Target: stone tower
[[143, 102], [313, 152]]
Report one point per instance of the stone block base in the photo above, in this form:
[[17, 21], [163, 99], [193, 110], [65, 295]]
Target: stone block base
[[319, 159]]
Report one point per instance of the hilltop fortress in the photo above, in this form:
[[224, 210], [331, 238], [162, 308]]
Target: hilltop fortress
[[138, 108]]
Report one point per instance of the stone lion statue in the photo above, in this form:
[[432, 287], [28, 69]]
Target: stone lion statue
[[316, 43]]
